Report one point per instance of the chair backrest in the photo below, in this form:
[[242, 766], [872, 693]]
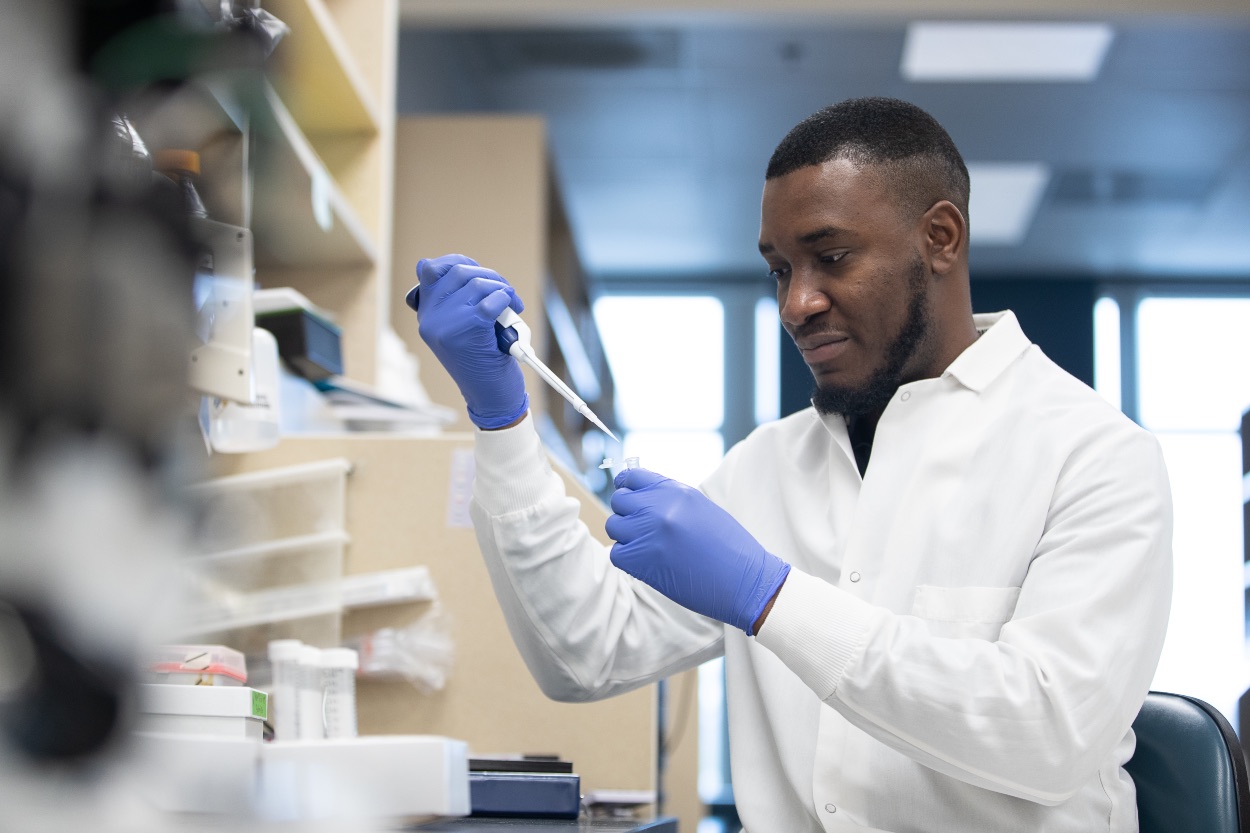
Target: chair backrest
[[1189, 768]]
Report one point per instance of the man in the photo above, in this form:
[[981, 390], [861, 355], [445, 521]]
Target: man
[[941, 592]]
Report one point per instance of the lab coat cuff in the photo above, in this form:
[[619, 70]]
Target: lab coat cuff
[[817, 630], [513, 471]]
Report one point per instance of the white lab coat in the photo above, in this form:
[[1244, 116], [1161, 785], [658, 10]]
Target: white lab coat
[[965, 635]]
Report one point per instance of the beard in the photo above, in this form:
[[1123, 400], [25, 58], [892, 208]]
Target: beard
[[873, 395]]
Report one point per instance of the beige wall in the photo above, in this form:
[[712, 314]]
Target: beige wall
[[477, 186]]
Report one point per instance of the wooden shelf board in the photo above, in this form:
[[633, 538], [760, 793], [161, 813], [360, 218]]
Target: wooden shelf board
[[300, 216], [317, 76]]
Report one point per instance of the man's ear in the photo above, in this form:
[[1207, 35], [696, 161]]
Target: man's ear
[[946, 236]]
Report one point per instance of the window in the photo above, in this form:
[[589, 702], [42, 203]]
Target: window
[[667, 355], [1185, 376]]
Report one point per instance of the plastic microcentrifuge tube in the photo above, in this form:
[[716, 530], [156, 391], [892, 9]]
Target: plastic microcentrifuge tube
[[284, 690], [630, 463], [338, 674]]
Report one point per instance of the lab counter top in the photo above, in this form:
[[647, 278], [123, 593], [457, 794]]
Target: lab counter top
[[582, 825]]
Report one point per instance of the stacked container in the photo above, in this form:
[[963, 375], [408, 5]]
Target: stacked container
[[273, 545]]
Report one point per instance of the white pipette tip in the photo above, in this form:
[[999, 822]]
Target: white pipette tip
[[585, 411]]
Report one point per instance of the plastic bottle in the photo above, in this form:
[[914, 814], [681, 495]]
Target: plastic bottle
[[284, 689], [339, 678], [311, 694], [182, 166]]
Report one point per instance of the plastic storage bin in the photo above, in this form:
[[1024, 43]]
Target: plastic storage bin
[[212, 665], [248, 509], [272, 548]]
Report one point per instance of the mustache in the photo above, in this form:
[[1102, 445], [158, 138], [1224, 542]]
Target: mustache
[[815, 329]]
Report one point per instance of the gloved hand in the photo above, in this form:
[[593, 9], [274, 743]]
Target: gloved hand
[[460, 301], [684, 545]]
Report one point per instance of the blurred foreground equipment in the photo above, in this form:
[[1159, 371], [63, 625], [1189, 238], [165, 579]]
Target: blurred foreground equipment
[[96, 323]]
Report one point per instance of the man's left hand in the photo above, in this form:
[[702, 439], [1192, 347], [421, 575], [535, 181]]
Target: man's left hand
[[678, 541]]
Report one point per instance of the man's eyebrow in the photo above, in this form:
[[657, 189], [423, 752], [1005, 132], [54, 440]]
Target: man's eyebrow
[[807, 239], [820, 234]]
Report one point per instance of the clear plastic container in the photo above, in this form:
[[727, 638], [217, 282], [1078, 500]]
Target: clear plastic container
[[246, 510], [310, 695], [284, 689], [197, 665], [339, 678], [272, 545], [275, 581]]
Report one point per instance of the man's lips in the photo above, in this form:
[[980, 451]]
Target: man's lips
[[818, 348]]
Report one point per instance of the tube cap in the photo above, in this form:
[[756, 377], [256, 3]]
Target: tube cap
[[284, 650], [339, 658], [174, 159]]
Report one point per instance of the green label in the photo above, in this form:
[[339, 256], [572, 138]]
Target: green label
[[260, 704]]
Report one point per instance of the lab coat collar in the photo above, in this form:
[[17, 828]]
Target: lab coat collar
[[1001, 343]]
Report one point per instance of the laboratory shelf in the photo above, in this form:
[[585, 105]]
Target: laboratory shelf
[[386, 587], [330, 468], [230, 610], [276, 547], [317, 75], [254, 150], [301, 216]]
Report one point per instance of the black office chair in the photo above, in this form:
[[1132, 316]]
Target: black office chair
[[1189, 768]]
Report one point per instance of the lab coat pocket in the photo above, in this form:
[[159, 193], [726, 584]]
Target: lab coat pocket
[[965, 612]]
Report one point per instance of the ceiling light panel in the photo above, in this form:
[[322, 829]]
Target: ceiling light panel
[[983, 52], [1003, 201]]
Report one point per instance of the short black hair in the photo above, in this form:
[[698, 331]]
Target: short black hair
[[915, 154]]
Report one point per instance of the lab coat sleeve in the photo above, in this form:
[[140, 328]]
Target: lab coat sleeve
[[1036, 712], [585, 629]]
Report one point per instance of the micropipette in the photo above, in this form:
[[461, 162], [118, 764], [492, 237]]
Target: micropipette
[[513, 337]]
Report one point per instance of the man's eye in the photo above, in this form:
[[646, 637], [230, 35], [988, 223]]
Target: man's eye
[[778, 274], [832, 257]]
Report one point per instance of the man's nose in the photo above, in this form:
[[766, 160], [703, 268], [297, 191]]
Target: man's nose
[[802, 298]]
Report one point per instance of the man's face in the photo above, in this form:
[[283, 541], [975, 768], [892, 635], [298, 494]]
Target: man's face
[[852, 287]]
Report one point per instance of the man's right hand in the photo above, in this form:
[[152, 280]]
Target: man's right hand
[[459, 302]]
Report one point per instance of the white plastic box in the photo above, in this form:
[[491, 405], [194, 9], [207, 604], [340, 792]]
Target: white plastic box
[[392, 777], [221, 711]]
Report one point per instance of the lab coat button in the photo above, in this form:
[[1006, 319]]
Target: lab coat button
[[829, 808], [854, 576], [906, 395]]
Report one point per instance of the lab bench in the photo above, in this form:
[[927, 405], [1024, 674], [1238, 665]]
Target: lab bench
[[583, 825]]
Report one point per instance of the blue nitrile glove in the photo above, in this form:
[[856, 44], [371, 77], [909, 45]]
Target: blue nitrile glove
[[678, 541], [459, 302]]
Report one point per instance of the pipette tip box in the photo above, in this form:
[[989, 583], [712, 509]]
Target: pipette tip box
[[524, 787]]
